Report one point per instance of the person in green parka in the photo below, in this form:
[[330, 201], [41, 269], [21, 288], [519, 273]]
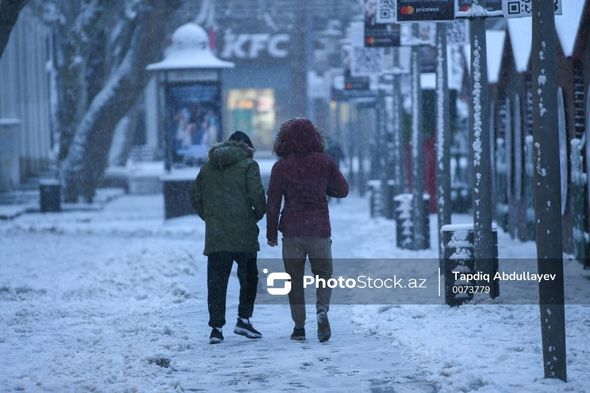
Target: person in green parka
[[228, 195]]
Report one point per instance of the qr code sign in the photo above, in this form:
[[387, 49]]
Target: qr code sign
[[514, 7], [522, 8], [366, 61], [386, 11]]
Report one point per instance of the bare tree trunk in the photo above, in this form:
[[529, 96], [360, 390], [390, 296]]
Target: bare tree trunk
[[130, 128], [9, 12]]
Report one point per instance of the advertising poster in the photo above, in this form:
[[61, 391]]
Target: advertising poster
[[193, 120], [420, 10], [491, 5], [380, 27], [353, 82]]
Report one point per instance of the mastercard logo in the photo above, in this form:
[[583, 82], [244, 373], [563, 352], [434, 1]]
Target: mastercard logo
[[407, 10]]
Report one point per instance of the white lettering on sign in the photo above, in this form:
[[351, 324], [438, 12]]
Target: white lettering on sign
[[524, 8], [277, 45], [252, 46]]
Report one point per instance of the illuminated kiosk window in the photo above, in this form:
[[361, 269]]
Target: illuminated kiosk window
[[253, 111]]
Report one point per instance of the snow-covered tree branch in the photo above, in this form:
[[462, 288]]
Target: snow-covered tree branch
[[146, 24]]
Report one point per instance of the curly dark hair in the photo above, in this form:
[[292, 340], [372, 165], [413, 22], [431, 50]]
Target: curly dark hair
[[298, 136]]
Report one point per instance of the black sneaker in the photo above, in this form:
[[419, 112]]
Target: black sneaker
[[298, 334], [246, 329], [216, 336], [324, 332]]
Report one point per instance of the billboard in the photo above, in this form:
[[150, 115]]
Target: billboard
[[425, 10], [491, 5], [352, 82], [380, 29], [194, 119]]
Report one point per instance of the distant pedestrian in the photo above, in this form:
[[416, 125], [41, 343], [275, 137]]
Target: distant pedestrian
[[304, 177], [228, 195], [334, 150]]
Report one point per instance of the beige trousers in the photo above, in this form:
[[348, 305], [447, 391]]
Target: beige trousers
[[295, 252]]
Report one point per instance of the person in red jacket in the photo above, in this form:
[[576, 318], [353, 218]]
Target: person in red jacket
[[304, 177]]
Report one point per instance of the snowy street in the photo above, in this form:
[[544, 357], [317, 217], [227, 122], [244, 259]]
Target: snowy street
[[115, 301]]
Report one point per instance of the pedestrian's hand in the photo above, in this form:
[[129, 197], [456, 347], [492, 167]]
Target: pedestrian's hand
[[272, 243]]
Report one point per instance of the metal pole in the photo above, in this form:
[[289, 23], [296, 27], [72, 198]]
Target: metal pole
[[417, 154], [482, 167], [360, 142], [397, 155], [443, 136], [547, 190], [168, 140]]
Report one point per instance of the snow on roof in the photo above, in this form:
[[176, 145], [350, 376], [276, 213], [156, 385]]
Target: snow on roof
[[462, 227], [495, 49], [189, 50], [568, 24], [521, 39]]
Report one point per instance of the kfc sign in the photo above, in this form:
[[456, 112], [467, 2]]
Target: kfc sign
[[254, 46]]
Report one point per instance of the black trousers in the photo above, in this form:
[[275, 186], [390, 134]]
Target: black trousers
[[219, 266]]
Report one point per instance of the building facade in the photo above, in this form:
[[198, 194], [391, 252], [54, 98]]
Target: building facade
[[25, 98]]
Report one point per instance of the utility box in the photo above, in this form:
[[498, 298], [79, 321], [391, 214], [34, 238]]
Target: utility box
[[177, 188]]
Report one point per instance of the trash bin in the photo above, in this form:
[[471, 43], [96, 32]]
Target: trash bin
[[50, 196], [177, 201], [459, 256]]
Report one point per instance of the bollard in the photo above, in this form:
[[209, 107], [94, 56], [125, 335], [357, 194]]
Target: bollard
[[459, 256], [388, 193], [50, 196], [404, 222], [375, 199]]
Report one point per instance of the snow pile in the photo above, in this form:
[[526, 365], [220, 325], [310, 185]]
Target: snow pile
[[116, 301]]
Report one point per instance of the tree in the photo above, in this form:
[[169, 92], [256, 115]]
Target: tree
[[9, 12], [101, 50]]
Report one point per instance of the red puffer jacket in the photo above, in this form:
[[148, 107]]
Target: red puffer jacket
[[304, 181]]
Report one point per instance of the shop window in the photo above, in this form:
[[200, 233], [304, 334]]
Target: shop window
[[254, 112]]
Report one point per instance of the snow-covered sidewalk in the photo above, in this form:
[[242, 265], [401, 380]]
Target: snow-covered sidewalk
[[115, 301]]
